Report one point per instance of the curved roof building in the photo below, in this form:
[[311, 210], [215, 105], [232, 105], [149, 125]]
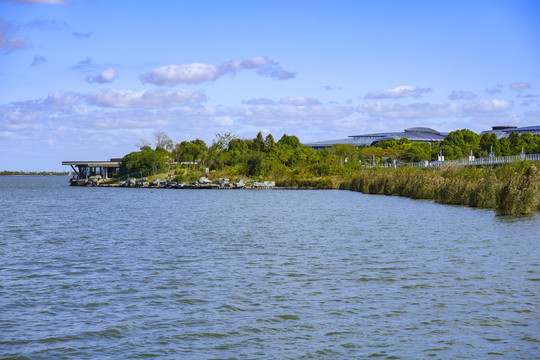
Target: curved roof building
[[505, 131], [415, 134]]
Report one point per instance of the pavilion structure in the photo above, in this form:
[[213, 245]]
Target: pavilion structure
[[85, 169]]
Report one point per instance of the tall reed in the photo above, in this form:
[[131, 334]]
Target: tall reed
[[512, 189]]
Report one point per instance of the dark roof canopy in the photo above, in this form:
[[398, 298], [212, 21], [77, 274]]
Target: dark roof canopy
[[421, 134], [422, 130]]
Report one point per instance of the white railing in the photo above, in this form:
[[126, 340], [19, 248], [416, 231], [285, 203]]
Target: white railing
[[495, 160]]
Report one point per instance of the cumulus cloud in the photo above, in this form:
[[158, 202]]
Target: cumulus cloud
[[462, 95], [520, 86], [152, 98], [105, 76], [494, 90], [62, 98], [428, 110], [303, 101], [398, 92], [260, 101], [175, 74], [275, 71], [254, 63], [8, 43], [38, 59], [196, 73], [294, 115]]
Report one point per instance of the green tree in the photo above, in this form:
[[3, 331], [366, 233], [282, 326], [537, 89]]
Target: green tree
[[515, 143], [465, 140], [488, 143], [144, 161], [269, 142], [259, 142], [450, 152], [289, 140], [256, 164], [505, 146], [417, 152], [189, 150]]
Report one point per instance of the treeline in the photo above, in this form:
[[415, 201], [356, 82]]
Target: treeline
[[457, 145], [39, 173], [288, 161]]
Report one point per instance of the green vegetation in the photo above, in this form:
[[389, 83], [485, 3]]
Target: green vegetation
[[144, 162], [459, 144], [510, 189], [34, 173]]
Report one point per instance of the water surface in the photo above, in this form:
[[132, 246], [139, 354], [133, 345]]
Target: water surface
[[107, 273]]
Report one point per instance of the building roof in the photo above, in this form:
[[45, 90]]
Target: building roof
[[415, 134], [505, 131], [102, 164]]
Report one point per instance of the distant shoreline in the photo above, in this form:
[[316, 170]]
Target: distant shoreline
[[33, 173]]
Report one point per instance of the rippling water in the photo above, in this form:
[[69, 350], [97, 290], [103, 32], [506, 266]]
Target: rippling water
[[101, 273]]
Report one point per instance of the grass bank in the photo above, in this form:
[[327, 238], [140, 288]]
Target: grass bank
[[512, 189]]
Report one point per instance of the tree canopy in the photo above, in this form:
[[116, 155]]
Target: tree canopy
[[263, 156]]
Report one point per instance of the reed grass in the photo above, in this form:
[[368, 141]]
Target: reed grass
[[512, 189]]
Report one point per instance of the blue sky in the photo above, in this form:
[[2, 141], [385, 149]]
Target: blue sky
[[87, 79]]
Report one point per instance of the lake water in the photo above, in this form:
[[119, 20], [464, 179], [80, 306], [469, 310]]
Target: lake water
[[116, 273]]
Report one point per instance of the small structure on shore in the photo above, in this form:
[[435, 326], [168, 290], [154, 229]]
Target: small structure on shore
[[93, 171]]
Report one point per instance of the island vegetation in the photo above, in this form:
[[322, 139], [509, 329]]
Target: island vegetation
[[508, 189]]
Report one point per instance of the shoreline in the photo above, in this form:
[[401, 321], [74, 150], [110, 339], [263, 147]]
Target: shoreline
[[513, 189]]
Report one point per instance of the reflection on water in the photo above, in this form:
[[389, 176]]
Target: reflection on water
[[125, 273]]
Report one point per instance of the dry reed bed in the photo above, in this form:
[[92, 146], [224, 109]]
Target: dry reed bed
[[512, 189]]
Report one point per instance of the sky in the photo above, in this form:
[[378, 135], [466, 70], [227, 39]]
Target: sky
[[88, 79]]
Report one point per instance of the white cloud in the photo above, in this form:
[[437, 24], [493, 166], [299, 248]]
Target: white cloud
[[276, 72], [398, 92], [520, 86], [7, 42], [302, 101], [494, 90], [196, 73], [294, 115], [143, 99], [105, 76], [174, 74], [254, 63], [462, 95], [260, 101], [488, 106], [61, 98], [428, 110]]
